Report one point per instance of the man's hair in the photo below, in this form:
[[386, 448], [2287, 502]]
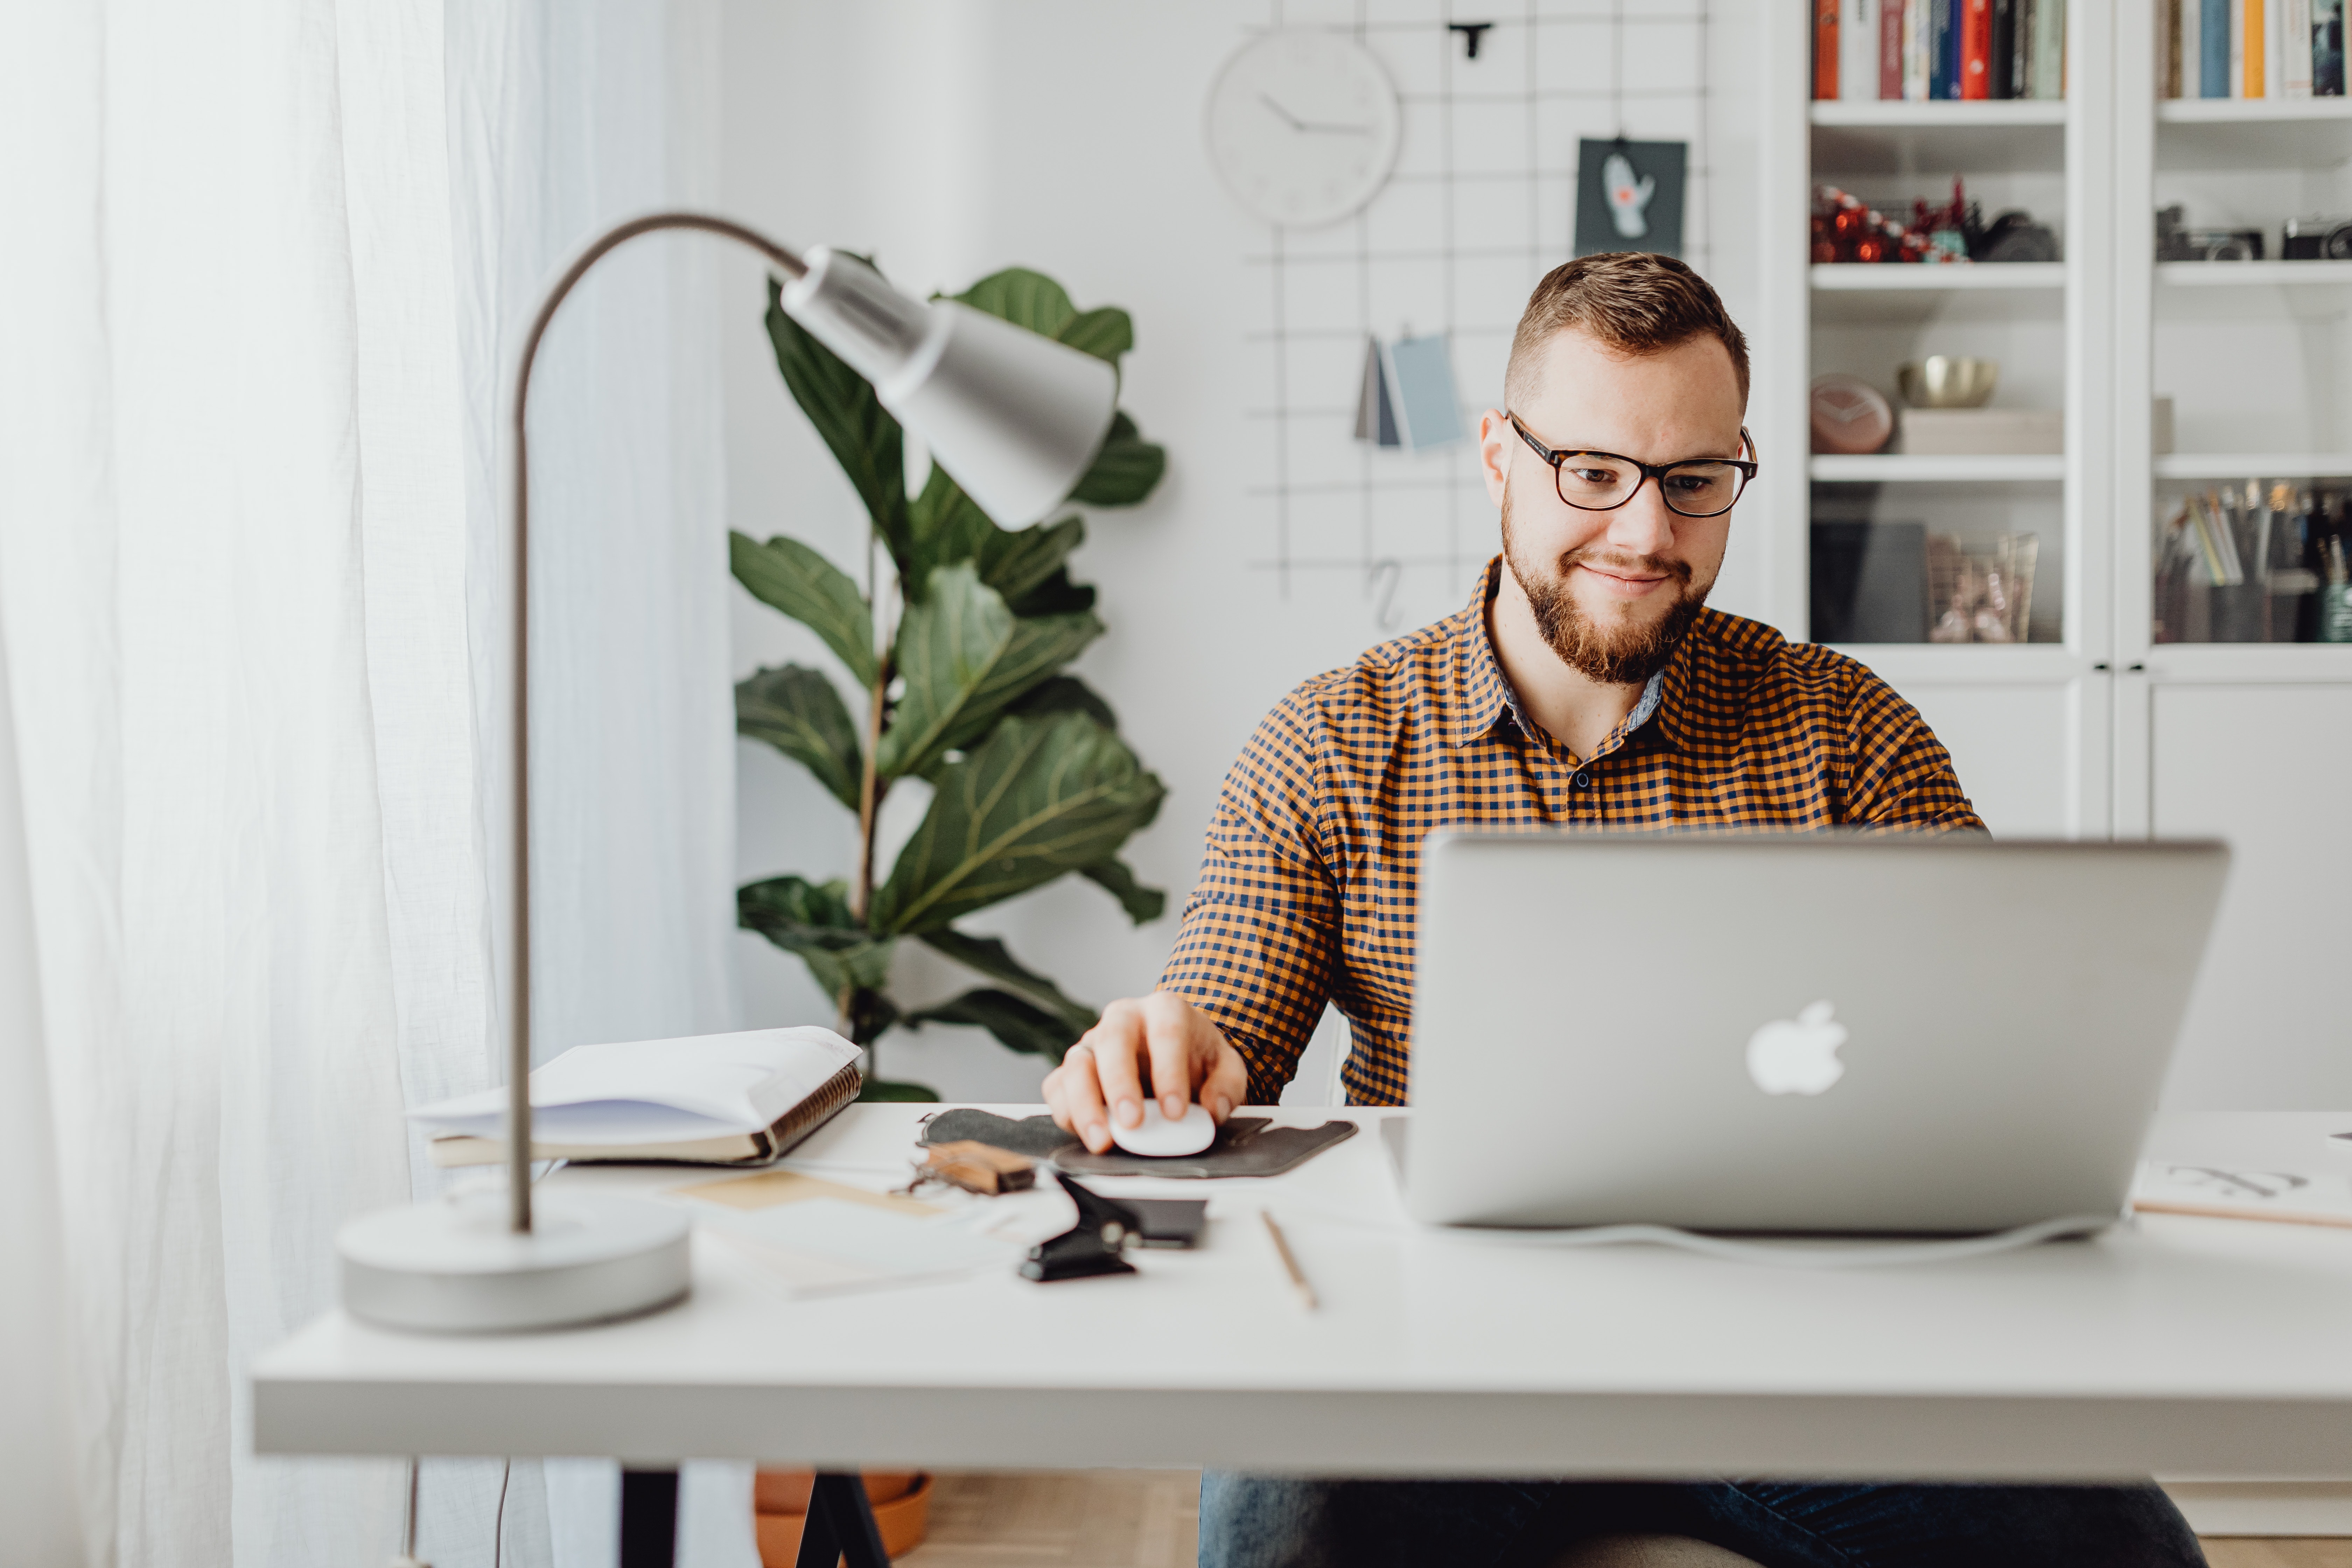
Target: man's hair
[[1633, 301]]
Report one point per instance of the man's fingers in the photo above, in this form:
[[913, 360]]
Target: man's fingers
[[1167, 1021], [1227, 1085], [1078, 1099], [1117, 1041]]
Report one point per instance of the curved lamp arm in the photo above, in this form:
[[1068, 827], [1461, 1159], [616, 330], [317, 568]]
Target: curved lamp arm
[[518, 504], [1015, 417]]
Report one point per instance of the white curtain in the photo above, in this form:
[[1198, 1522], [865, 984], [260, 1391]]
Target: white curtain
[[257, 263]]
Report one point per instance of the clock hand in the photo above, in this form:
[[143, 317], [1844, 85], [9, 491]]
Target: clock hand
[[1288, 119], [1311, 125]]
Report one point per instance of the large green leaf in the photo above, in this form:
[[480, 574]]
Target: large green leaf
[[1016, 564], [1106, 333], [865, 440], [1066, 694], [1038, 798], [1026, 299], [792, 577], [1056, 596], [1111, 875], [1126, 469], [988, 955], [948, 526], [965, 658], [945, 526], [797, 711], [1020, 1024], [813, 920]]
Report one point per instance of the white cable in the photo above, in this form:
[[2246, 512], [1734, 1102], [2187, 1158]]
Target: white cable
[[1886, 1255]]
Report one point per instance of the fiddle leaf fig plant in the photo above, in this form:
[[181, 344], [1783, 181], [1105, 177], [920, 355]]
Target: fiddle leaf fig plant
[[968, 692]]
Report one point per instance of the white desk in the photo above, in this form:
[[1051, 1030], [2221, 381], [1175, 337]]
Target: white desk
[[2213, 1348]]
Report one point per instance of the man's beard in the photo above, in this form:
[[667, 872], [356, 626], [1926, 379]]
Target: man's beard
[[1614, 655]]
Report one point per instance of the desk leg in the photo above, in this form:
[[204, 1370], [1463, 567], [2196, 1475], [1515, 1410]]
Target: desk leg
[[840, 1525], [649, 1519]]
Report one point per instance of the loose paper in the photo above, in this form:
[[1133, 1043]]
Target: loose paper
[[1408, 397], [2231, 1192]]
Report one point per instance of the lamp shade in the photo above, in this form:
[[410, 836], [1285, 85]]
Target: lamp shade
[[1015, 417]]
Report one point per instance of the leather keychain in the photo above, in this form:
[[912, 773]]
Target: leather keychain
[[975, 1168]]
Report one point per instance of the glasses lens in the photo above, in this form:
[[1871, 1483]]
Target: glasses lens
[[1701, 489], [1597, 482]]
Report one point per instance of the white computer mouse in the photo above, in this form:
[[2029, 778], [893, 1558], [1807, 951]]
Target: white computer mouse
[[1157, 1136]]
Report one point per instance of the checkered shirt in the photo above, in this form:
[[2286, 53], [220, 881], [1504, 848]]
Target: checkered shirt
[[1308, 882]]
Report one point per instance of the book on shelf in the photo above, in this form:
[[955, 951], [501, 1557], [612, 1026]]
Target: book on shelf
[[1889, 50], [2049, 48], [2248, 48], [1918, 51], [1825, 49], [1858, 49], [2295, 64], [711, 1100], [1976, 48]]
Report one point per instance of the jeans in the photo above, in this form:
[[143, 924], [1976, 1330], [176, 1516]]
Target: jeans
[[1276, 1521]]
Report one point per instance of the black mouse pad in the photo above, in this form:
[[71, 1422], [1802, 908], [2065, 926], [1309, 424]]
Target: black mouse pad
[[1245, 1145]]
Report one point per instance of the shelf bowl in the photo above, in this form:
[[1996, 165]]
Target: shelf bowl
[[1947, 381]]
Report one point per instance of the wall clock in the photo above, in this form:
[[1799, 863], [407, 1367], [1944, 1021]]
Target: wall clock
[[1303, 126]]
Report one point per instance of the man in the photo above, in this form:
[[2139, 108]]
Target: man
[[1585, 684]]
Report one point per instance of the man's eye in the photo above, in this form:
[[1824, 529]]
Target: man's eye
[[1596, 477]]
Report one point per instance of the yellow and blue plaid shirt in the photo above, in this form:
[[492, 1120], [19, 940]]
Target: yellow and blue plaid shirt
[[1308, 882]]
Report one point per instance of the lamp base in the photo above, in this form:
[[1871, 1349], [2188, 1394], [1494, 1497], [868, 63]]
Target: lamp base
[[452, 1266]]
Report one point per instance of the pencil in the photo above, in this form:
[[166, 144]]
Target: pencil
[[1289, 1264]]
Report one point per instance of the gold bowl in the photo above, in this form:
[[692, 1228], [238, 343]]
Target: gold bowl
[[1947, 381]]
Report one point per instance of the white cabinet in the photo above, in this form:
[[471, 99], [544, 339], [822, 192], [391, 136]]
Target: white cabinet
[[2028, 730], [2268, 767], [2094, 727]]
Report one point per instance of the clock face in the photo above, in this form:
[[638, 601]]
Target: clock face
[[1303, 126]]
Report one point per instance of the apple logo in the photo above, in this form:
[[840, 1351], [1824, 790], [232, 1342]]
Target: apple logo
[[1799, 1056]]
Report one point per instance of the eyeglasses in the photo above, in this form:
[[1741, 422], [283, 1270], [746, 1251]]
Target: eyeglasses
[[1603, 481]]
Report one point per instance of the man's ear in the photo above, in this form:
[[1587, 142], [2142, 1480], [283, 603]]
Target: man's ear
[[1495, 439]]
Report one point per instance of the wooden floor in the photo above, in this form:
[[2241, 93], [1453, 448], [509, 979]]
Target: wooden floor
[[1150, 1519]]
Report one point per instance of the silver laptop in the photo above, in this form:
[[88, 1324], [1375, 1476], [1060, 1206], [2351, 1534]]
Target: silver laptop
[[1818, 1032]]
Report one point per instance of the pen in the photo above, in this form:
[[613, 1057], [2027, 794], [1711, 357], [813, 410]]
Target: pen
[[1289, 1264]]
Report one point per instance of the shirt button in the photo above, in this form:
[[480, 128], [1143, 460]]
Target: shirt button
[[1584, 781]]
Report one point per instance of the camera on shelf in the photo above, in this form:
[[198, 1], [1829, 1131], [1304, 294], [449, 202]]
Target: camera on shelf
[[2316, 240], [2175, 241]]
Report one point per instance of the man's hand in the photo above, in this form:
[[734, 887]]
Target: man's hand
[[1157, 1045]]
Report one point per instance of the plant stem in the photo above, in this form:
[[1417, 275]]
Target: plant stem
[[869, 791], [869, 782]]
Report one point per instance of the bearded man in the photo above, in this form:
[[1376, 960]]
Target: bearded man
[[1585, 685]]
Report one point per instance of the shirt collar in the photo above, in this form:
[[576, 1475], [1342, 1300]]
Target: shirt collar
[[1483, 695]]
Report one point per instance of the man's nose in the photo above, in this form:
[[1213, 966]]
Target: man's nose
[[1645, 525]]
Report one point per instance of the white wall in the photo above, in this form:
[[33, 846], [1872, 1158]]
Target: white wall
[[952, 137]]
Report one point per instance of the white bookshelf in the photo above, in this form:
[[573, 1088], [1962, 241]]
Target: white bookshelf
[[2268, 274], [1975, 277], [2253, 465], [1905, 467]]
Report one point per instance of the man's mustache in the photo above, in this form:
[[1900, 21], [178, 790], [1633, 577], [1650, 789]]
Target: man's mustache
[[1618, 562]]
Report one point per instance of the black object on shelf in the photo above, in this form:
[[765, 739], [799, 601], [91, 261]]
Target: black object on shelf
[[1869, 582]]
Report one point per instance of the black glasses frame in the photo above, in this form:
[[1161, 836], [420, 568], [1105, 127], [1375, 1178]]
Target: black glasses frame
[[1658, 471]]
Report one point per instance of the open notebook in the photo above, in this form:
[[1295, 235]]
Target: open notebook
[[706, 1100]]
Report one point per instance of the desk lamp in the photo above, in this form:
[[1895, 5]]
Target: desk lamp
[[1016, 419]]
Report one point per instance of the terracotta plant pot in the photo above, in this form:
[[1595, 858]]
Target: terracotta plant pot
[[901, 1501]]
